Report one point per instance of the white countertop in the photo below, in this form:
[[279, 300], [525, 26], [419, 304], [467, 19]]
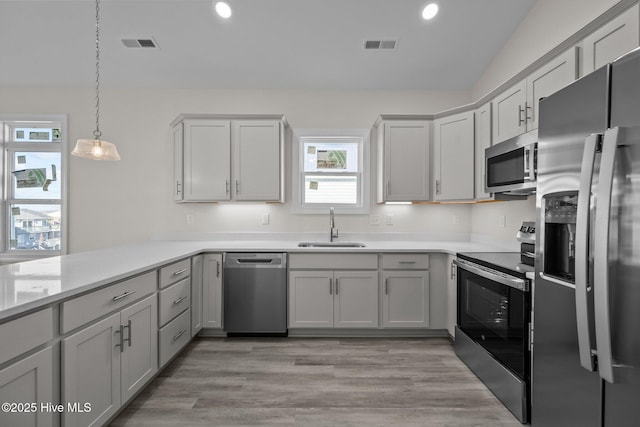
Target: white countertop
[[27, 286]]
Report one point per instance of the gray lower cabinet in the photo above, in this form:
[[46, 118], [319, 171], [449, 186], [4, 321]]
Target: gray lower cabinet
[[104, 364], [405, 290], [197, 270], [174, 336], [29, 380], [212, 291]]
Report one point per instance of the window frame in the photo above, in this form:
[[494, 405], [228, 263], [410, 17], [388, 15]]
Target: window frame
[[9, 148], [300, 136]]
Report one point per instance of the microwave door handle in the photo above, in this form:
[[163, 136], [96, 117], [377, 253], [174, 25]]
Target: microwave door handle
[[601, 254], [527, 165], [585, 332]]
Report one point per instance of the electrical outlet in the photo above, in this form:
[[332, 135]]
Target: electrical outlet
[[265, 219], [455, 220], [374, 219], [189, 219], [502, 221]]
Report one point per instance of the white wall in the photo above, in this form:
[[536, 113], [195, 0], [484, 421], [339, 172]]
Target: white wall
[[486, 224], [548, 23], [131, 200]]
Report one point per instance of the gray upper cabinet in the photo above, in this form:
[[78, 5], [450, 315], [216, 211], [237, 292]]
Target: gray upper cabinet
[[515, 111], [403, 160], [612, 40], [221, 159], [453, 160], [482, 142]]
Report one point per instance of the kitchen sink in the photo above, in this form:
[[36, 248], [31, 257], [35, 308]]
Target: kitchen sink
[[331, 245]]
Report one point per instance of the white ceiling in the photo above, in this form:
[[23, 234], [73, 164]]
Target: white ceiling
[[267, 44]]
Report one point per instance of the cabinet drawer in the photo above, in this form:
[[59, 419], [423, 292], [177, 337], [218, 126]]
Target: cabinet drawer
[[174, 300], [174, 336], [84, 309], [24, 333], [334, 261], [405, 261], [174, 272]]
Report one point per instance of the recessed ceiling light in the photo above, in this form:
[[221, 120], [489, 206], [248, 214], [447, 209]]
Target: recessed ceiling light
[[223, 10], [429, 11]]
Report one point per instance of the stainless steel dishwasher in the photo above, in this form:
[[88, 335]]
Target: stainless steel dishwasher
[[255, 293]]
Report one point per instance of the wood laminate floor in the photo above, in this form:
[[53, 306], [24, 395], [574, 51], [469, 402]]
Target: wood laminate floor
[[316, 382]]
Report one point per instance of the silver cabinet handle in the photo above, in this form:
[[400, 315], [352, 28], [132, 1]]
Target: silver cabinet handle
[[521, 120], [437, 186], [601, 273], [121, 338], [128, 339], [583, 287], [217, 268], [237, 187], [330, 286], [406, 262], [179, 300], [336, 280], [124, 295], [179, 272], [227, 185], [386, 286], [179, 334], [178, 191], [528, 109]]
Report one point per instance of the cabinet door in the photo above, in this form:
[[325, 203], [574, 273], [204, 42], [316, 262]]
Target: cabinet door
[[91, 372], [356, 299], [482, 142], [453, 157], [257, 154], [548, 79], [406, 161], [311, 299], [612, 40], [509, 113], [212, 291], [452, 295], [197, 265], [178, 162], [207, 164], [139, 358], [406, 299], [29, 380]]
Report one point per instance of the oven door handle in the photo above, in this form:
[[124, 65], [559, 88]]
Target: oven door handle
[[493, 275]]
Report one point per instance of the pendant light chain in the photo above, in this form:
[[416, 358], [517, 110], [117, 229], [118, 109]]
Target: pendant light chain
[[97, 132]]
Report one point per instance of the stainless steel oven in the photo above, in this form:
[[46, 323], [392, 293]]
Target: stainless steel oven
[[493, 324], [510, 168]]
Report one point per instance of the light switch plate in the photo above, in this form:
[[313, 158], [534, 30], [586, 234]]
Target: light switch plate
[[374, 219], [265, 219]]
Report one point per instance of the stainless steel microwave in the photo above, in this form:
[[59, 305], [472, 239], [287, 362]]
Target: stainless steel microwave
[[510, 166]]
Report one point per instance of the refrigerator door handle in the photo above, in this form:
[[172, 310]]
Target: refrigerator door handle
[[582, 285], [601, 254]]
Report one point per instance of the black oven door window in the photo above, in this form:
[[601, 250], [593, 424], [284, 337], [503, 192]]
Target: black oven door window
[[495, 316], [506, 169]]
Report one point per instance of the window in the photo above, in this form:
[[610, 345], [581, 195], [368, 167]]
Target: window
[[33, 211], [331, 169]]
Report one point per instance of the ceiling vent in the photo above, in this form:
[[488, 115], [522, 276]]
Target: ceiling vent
[[137, 43], [379, 44]]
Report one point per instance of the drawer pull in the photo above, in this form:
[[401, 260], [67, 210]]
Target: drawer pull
[[124, 295], [179, 300], [179, 272], [406, 262], [179, 334]]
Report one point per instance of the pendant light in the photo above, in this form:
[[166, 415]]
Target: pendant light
[[96, 148]]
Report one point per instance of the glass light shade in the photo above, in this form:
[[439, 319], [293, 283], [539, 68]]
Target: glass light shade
[[95, 149]]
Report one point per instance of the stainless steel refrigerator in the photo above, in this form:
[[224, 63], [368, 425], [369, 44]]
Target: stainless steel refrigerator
[[586, 299]]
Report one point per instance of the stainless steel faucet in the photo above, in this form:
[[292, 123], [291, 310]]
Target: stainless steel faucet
[[333, 231]]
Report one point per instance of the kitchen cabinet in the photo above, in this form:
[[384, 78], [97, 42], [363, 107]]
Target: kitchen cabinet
[[333, 290], [615, 38], [333, 299], [404, 150], [515, 111], [454, 157], [197, 276], [228, 160], [30, 380], [212, 291], [482, 142], [405, 302], [452, 295], [106, 363]]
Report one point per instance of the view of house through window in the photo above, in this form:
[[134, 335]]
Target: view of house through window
[[331, 170], [32, 203]]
